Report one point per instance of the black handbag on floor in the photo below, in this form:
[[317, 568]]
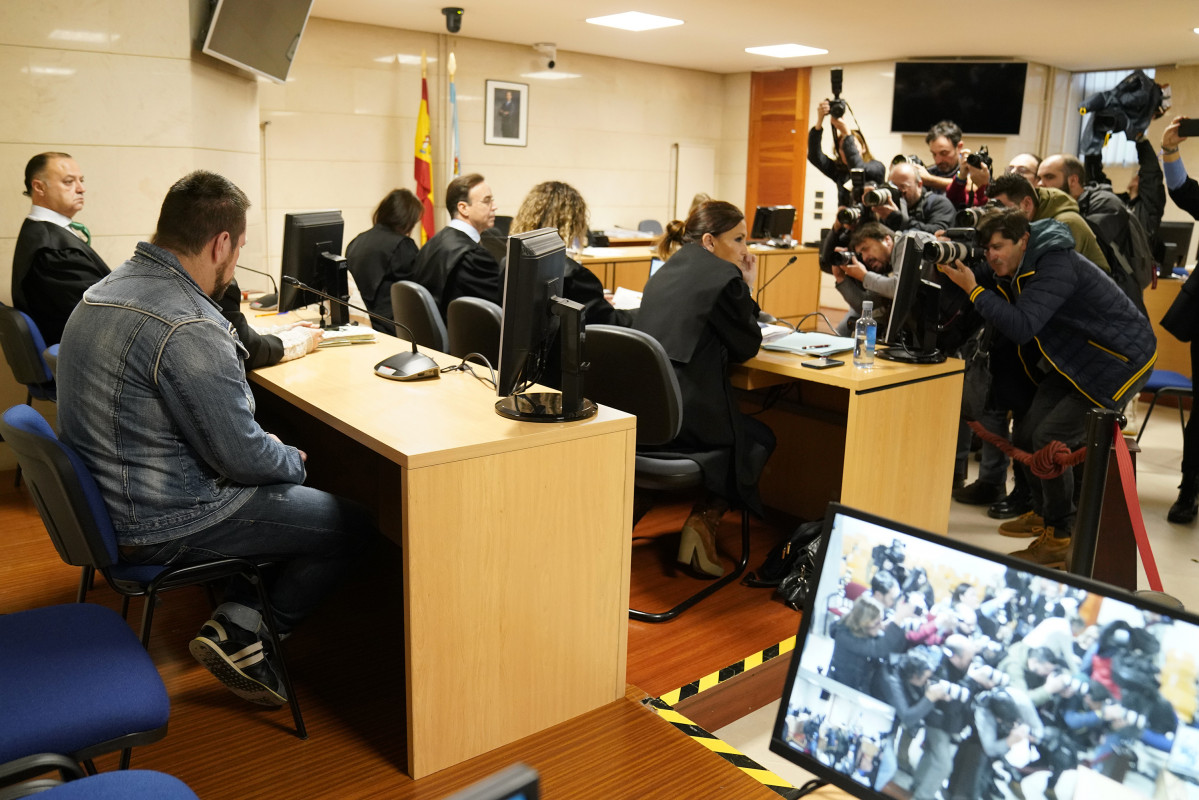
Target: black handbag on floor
[[790, 565]]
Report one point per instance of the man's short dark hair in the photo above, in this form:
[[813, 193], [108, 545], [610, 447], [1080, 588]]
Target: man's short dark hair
[[1015, 186], [869, 230], [1072, 166], [947, 128], [36, 166], [883, 583], [198, 208], [1009, 222], [459, 191]]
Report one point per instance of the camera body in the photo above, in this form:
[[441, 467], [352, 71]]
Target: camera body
[[970, 217], [849, 215], [880, 195], [977, 160], [841, 258], [888, 557], [836, 106], [954, 691], [963, 246]]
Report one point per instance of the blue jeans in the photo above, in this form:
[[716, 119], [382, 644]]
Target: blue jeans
[[315, 537]]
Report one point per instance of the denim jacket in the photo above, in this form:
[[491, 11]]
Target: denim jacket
[[153, 396]]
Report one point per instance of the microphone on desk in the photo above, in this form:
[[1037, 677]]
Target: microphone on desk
[[763, 316], [269, 300], [400, 367]]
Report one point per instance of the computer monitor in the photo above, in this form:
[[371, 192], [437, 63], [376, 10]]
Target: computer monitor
[[912, 325], [534, 311], [1008, 677], [773, 222], [517, 782], [312, 255], [1176, 236]]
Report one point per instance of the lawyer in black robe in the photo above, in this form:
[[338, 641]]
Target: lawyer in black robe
[[703, 313], [452, 265], [51, 269], [378, 258]]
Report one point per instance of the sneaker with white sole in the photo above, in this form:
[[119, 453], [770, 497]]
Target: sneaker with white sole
[[237, 658]]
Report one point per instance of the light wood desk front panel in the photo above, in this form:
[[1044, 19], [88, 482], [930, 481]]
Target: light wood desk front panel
[[515, 590], [797, 291], [882, 440], [1171, 353]]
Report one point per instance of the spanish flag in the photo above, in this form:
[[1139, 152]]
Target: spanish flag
[[423, 168]]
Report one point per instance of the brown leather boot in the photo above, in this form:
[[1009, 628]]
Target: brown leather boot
[[697, 545]]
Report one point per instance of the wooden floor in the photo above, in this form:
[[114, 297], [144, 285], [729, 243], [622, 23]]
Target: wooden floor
[[346, 665]]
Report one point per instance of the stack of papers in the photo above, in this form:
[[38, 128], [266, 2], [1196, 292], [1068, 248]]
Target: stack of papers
[[347, 334], [809, 343]]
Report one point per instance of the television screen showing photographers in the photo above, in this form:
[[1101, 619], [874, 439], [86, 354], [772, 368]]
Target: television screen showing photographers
[[927, 671]]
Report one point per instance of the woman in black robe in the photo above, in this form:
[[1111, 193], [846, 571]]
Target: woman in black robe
[[386, 253], [700, 307]]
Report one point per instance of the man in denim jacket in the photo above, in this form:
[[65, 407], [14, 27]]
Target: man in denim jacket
[[153, 395]]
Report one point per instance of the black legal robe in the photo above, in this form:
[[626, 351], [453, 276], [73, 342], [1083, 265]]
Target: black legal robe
[[703, 313], [378, 258], [51, 269], [452, 265]]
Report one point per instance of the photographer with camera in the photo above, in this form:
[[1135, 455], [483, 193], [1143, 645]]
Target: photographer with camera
[[907, 205], [907, 686], [864, 640], [873, 271], [849, 146], [969, 186], [1098, 348]]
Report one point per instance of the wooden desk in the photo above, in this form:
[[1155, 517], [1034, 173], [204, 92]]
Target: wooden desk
[[881, 440], [794, 294], [515, 537], [1171, 353]]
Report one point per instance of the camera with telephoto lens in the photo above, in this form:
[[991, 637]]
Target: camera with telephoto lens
[[879, 195], [970, 217], [954, 691], [990, 650], [912, 159], [989, 675], [840, 258], [1077, 685], [857, 182], [977, 160], [886, 557], [963, 246], [836, 106], [1133, 718], [849, 215]]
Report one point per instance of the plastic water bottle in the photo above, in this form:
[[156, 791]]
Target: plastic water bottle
[[864, 334]]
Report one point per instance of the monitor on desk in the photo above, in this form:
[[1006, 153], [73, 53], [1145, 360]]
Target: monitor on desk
[[1176, 236], [1008, 677], [912, 324], [312, 255], [773, 222]]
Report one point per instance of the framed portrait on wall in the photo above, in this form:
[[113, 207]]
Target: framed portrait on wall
[[507, 118]]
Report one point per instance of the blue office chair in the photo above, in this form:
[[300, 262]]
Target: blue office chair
[[23, 346], [75, 680], [650, 226], [77, 520], [1166, 382], [630, 371], [74, 784], [413, 305], [474, 327], [50, 355]]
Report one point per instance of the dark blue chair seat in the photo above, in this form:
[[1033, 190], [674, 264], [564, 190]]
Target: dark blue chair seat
[[1166, 382], [74, 679], [131, 785]]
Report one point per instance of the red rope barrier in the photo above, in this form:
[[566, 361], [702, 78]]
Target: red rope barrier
[[1049, 462]]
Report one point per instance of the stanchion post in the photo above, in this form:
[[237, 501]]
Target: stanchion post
[[1101, 427]]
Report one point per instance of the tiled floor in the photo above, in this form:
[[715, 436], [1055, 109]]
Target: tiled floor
[[1175, 548]]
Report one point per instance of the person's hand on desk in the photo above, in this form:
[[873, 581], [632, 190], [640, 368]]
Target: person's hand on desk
[[960, 274], [303, 455]]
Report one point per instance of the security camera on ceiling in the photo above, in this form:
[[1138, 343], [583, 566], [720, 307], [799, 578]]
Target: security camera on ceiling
[[453, 18], [550, 51]]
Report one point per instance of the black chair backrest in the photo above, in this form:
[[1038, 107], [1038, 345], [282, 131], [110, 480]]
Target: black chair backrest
[[650, 226], [474, 327], [503, 224], [413, 305], [631, 372], [23, 346], [64, 491]]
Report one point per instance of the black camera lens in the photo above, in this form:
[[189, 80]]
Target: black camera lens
[[876, 197], [841, 258], [949, 252], [849, 215]]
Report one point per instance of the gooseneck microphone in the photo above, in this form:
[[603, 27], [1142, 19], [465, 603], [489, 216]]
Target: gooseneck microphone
[[403, 366], [762, 315], [269, 277]]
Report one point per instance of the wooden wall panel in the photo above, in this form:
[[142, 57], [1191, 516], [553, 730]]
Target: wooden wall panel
[[778, 143]]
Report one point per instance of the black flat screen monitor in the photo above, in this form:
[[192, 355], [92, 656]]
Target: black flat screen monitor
[[1176, 236], [773, 222], [312, 255], [534, 311], [987, 677], [984, 98], [258, 36], [911, 330]]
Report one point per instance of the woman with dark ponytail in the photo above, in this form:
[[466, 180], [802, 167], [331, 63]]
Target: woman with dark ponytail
[[700, 307]]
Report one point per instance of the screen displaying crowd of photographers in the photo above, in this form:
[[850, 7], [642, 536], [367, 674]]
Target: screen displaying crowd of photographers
[[927, 673]]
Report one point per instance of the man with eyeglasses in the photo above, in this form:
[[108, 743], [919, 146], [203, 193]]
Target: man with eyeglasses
[[1025, 165], [454, 263]]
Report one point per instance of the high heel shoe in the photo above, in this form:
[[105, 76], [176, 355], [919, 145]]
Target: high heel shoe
[[697, 545]]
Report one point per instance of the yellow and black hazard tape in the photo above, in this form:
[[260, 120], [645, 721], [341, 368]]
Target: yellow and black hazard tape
[[664, 707], [730, 754], [731, 671]]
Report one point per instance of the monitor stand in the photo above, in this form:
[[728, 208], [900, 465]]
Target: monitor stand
[[569, 405]]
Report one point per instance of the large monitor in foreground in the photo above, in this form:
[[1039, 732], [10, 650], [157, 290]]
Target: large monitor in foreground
[[534, 312], [312, 255], [912, 324], [926, 667]]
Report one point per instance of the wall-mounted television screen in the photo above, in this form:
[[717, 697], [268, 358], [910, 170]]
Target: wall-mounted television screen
[[258, 36], [984, 98]]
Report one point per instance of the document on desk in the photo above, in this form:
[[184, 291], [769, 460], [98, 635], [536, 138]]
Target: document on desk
[[347, 334], [626, 299], [810, 343]]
